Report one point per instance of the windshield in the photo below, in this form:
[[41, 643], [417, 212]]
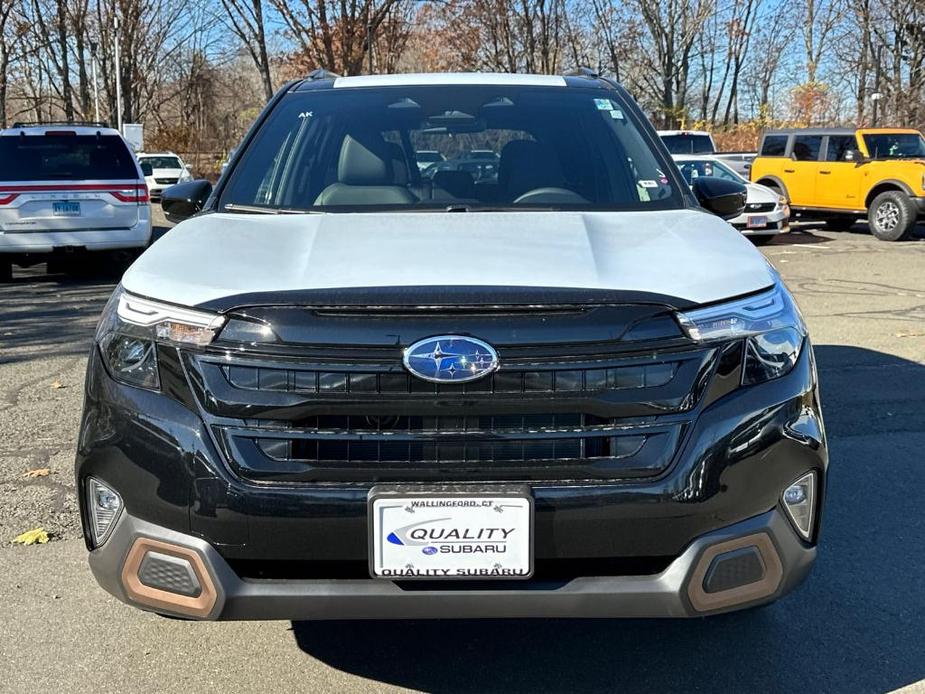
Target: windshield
[[692, 169], [895, 146], [688, 143], [65, 157], [496, 147], [162, 162]]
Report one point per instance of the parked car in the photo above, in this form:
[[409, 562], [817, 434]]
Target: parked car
[[161, 170], [839, 174], [766, 211], [481, 170], [426, 157], [335, 391], [66, 190], [688, 142]]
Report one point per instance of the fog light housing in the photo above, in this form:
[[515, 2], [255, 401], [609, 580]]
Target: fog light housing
[[104, 505], [799, 502]]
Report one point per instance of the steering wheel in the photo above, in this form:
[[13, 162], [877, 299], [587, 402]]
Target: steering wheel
[[550, 196]]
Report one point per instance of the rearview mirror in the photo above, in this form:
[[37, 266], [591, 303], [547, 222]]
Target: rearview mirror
[[722, 197], [183, 200]]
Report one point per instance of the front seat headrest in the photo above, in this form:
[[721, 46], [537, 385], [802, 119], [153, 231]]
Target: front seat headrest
[[365, 160], [526, 165], [459, 184]]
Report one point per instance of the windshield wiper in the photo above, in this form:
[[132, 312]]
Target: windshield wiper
[[258, 209], [498, 208]]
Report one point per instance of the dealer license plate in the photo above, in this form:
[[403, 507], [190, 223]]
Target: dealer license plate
[[65, 209], [444, 535], [757, 222]]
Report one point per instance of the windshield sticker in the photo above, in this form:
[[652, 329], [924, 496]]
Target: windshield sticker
[[649, 184], [616, 114], [603, 104]]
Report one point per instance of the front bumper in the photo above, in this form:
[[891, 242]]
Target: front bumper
[[675, 592], [777, 222], [743, 450]]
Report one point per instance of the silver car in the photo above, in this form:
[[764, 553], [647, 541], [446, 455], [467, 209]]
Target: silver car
[[767, 213], [68, 190]]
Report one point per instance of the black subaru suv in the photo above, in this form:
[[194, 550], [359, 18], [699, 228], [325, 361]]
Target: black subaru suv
[[347, 387]]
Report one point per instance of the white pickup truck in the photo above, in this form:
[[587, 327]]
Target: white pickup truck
[[701, 142]]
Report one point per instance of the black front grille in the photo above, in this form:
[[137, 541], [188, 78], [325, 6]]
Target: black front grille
[[553, 411], [166, 181], [552, 380], [759, 207]]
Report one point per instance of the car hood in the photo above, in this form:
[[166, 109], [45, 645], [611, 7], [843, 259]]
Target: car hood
[[760, 193], [167, 172], [688, 255]]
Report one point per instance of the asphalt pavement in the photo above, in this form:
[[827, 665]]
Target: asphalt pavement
[[857, 624]]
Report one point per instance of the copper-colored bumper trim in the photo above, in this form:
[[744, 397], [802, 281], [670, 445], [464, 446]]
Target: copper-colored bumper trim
[[768, 585], [199, 606]]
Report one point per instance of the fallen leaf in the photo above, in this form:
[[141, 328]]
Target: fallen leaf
[[58, 384], [913, 334], [39, 472], [32, 537]]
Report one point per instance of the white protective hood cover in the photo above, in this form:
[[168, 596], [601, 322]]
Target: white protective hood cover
[[687, 254]]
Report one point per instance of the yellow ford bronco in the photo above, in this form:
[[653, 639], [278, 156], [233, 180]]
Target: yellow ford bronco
[[840, 174]]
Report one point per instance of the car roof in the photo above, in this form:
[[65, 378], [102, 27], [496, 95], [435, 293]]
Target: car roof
[[683, 132], [694, 157], [449, 78], [156, 154], [322, 79], [811, 131], [37, 129]]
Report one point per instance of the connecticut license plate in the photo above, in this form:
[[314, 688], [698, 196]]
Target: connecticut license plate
[[454, 534], [65, 209], [757, 222]]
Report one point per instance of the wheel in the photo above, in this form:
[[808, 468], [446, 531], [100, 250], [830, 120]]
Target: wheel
[[761, 240], [6, 271], [892, 216], [840, 223]]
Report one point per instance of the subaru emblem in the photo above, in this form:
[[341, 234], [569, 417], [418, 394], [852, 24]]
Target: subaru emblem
[[450, 359]]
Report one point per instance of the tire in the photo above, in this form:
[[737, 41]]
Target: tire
[[761, 240], [892, 216], [6, 271], [840, 223]]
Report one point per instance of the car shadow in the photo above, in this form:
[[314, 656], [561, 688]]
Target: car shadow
[[44, 315], [799, 236], [854, 626]]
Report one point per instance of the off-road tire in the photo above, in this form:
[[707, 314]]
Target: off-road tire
[[892, 216]]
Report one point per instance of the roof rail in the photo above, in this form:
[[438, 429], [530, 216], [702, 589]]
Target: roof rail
[[322, 74], [87, 123], [582, 72]]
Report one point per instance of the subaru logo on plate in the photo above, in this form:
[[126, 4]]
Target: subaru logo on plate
[[450, 359]]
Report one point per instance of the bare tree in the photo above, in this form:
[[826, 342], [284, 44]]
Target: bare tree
[[342, 36], [246, 19]]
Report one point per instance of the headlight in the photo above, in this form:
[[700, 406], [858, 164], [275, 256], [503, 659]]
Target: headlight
[[131, 327], [770, 322]]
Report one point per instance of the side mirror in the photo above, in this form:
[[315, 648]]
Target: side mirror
[[853, 155], [183, 200], [146, 169], [720, 196]]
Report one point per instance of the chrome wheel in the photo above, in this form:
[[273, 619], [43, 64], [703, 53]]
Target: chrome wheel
[[887, 217]]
